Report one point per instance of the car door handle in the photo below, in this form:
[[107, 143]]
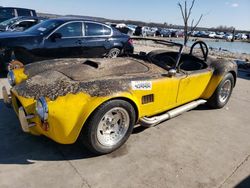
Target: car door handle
[[80, 42]]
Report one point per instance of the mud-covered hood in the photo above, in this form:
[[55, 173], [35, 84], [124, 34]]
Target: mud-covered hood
[[97, 77], [88, 69]]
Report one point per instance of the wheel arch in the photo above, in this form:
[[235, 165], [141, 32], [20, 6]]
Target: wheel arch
[[234, 75], [128, 99]]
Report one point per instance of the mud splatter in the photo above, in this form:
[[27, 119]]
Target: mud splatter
[[98, 77]]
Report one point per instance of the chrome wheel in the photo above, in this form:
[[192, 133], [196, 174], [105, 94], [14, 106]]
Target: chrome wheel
[[113, 126], [114, 53], [225, 91]]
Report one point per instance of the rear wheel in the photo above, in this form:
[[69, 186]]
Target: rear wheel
[[223, 92], [114, 52], [109, 127]]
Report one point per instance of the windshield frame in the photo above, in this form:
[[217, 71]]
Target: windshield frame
[[166, 43]]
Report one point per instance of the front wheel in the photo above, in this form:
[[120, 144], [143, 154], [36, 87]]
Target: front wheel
[[223, 92], [108, 127]]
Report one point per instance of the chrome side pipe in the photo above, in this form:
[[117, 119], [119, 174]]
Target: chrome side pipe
[[152, 121]]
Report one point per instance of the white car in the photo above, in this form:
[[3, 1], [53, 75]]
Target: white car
[[228, 36], [220, 35], [244, 36], [212, 35]]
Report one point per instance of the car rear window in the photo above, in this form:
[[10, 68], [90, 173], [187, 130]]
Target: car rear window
[[7, 13], [23, 12], [95, 29]]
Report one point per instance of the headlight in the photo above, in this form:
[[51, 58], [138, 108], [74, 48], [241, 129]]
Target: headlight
[[42, 109], [11, 78]]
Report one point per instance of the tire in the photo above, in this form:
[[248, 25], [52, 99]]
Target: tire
[[114, 52], [222, 93], [108, 127]]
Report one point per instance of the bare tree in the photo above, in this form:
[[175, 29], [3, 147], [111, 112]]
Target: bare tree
[[185, 12]]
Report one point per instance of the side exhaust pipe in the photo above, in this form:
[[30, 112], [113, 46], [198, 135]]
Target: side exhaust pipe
[[152, 121]]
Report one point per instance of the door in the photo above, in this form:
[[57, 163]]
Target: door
[[160, 94], [64, 42], [97, 39], [193, 85]]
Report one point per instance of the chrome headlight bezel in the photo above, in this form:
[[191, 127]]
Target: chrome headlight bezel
[[42, 109], [11, 78]]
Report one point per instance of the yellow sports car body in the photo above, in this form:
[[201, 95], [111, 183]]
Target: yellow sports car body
[[100, 100]]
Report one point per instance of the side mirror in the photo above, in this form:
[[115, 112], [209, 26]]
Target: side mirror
[[172, 72], [55, 36]]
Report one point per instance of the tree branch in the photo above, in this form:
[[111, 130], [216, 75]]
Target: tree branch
[[197, 23], [179, 4], [190, 9]]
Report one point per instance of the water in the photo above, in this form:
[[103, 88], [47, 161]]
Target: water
[[236, 47]]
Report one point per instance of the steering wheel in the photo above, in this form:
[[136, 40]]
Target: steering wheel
[[203, 47]]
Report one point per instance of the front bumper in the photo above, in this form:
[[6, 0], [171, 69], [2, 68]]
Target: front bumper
[[6, 96], [62, 126], [23, 118]]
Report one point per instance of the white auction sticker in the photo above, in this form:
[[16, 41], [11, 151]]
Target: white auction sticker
[[141, 85]]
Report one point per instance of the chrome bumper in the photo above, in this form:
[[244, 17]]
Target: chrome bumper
[[6, 96], [23, 120]]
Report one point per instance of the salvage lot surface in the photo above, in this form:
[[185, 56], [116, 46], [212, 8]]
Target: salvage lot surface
[[201, 148]]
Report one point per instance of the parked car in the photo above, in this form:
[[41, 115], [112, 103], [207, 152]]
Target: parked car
[[11, 12], [242, 36], [212, 35], [179, 33], [64, 37], [147, 31], [132, 27], [19, 23], [163, 33], [123, 28], [220, 35], [201, 34], [228, 36], [100, 100]]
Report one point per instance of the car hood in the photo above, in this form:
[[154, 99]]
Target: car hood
[[9, 35], [97, 77]]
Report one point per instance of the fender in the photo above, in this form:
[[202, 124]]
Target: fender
[[220, 68]]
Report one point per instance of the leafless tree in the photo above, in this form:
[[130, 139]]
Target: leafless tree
[[185, 12]]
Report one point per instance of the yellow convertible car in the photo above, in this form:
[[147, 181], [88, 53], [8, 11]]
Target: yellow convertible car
[[98, 101]]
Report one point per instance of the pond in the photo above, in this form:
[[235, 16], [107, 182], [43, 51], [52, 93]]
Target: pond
[[236, 47]]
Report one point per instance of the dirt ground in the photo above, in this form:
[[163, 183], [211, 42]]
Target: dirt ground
[[201, 148]]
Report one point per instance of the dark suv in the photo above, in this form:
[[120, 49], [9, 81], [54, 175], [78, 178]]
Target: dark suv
[[11, 12], [63, 38]]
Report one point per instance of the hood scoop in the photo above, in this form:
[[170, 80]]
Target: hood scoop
[[92, 63]]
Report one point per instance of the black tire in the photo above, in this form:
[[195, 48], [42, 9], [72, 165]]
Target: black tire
[[215, 101], [114, 52], [89, 133]]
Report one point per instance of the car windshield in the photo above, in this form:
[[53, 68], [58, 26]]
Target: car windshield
[[9, 21], [45, 27]]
